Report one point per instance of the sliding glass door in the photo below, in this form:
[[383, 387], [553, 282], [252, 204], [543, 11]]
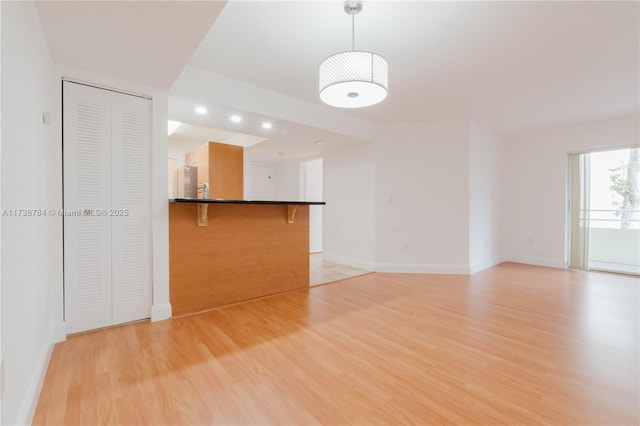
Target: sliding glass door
[[604, 210]]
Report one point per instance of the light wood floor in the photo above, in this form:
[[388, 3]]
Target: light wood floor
[[510, 345]]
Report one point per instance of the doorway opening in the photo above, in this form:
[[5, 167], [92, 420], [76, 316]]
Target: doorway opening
[[605, 211], [311, 176], [321, 271]]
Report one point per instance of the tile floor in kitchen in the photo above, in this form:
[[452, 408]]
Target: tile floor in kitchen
[[323, 271]]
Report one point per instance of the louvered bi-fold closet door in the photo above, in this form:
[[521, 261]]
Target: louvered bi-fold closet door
[[107, 247], [87, 188], [131, 231]]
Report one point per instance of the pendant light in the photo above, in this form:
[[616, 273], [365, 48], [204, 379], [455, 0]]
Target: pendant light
[[355, 78]]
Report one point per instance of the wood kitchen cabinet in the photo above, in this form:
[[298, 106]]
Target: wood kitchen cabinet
[[222, 166]]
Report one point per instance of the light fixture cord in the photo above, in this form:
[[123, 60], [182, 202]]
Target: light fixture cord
[[353, 32]]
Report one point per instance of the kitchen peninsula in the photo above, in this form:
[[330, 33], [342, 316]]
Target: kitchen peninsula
[[227, 251], [224, 249]]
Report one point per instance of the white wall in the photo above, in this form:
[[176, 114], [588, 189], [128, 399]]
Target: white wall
[[1, 362], [535, 184], [485, 180], [312, 177], [287, 180], [422, 198], [349, 227], [31, 246], [247, 177]]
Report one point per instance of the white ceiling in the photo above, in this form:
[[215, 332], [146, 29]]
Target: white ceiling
[[146, 42], [511, 66], [286, 140], [191, 133]]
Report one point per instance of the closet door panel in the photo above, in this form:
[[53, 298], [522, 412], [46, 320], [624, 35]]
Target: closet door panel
[[131, 213], [87, 189]]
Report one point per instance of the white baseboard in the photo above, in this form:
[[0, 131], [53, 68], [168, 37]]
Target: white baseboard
[[160, 312], [356, 263], [486, 265], [59, 332], [32, 395], [422, 268], [538, 261]]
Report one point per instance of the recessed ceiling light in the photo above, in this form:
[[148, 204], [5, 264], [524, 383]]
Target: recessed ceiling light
[[267, 125], [236, 118], [201, 110], [172, 126]]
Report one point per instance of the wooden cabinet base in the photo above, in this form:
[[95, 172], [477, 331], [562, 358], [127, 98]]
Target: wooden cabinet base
[[245, 252]]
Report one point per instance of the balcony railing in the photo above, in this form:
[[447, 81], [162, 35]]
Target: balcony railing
[[601, 218], [614, 241]]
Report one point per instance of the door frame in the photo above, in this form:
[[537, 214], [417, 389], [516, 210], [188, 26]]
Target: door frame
[[161, 305]]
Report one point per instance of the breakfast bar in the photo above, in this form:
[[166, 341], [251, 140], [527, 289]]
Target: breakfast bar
[[227, 251]]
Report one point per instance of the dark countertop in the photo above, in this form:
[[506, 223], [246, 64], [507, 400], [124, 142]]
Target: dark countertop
[[225, 201]]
